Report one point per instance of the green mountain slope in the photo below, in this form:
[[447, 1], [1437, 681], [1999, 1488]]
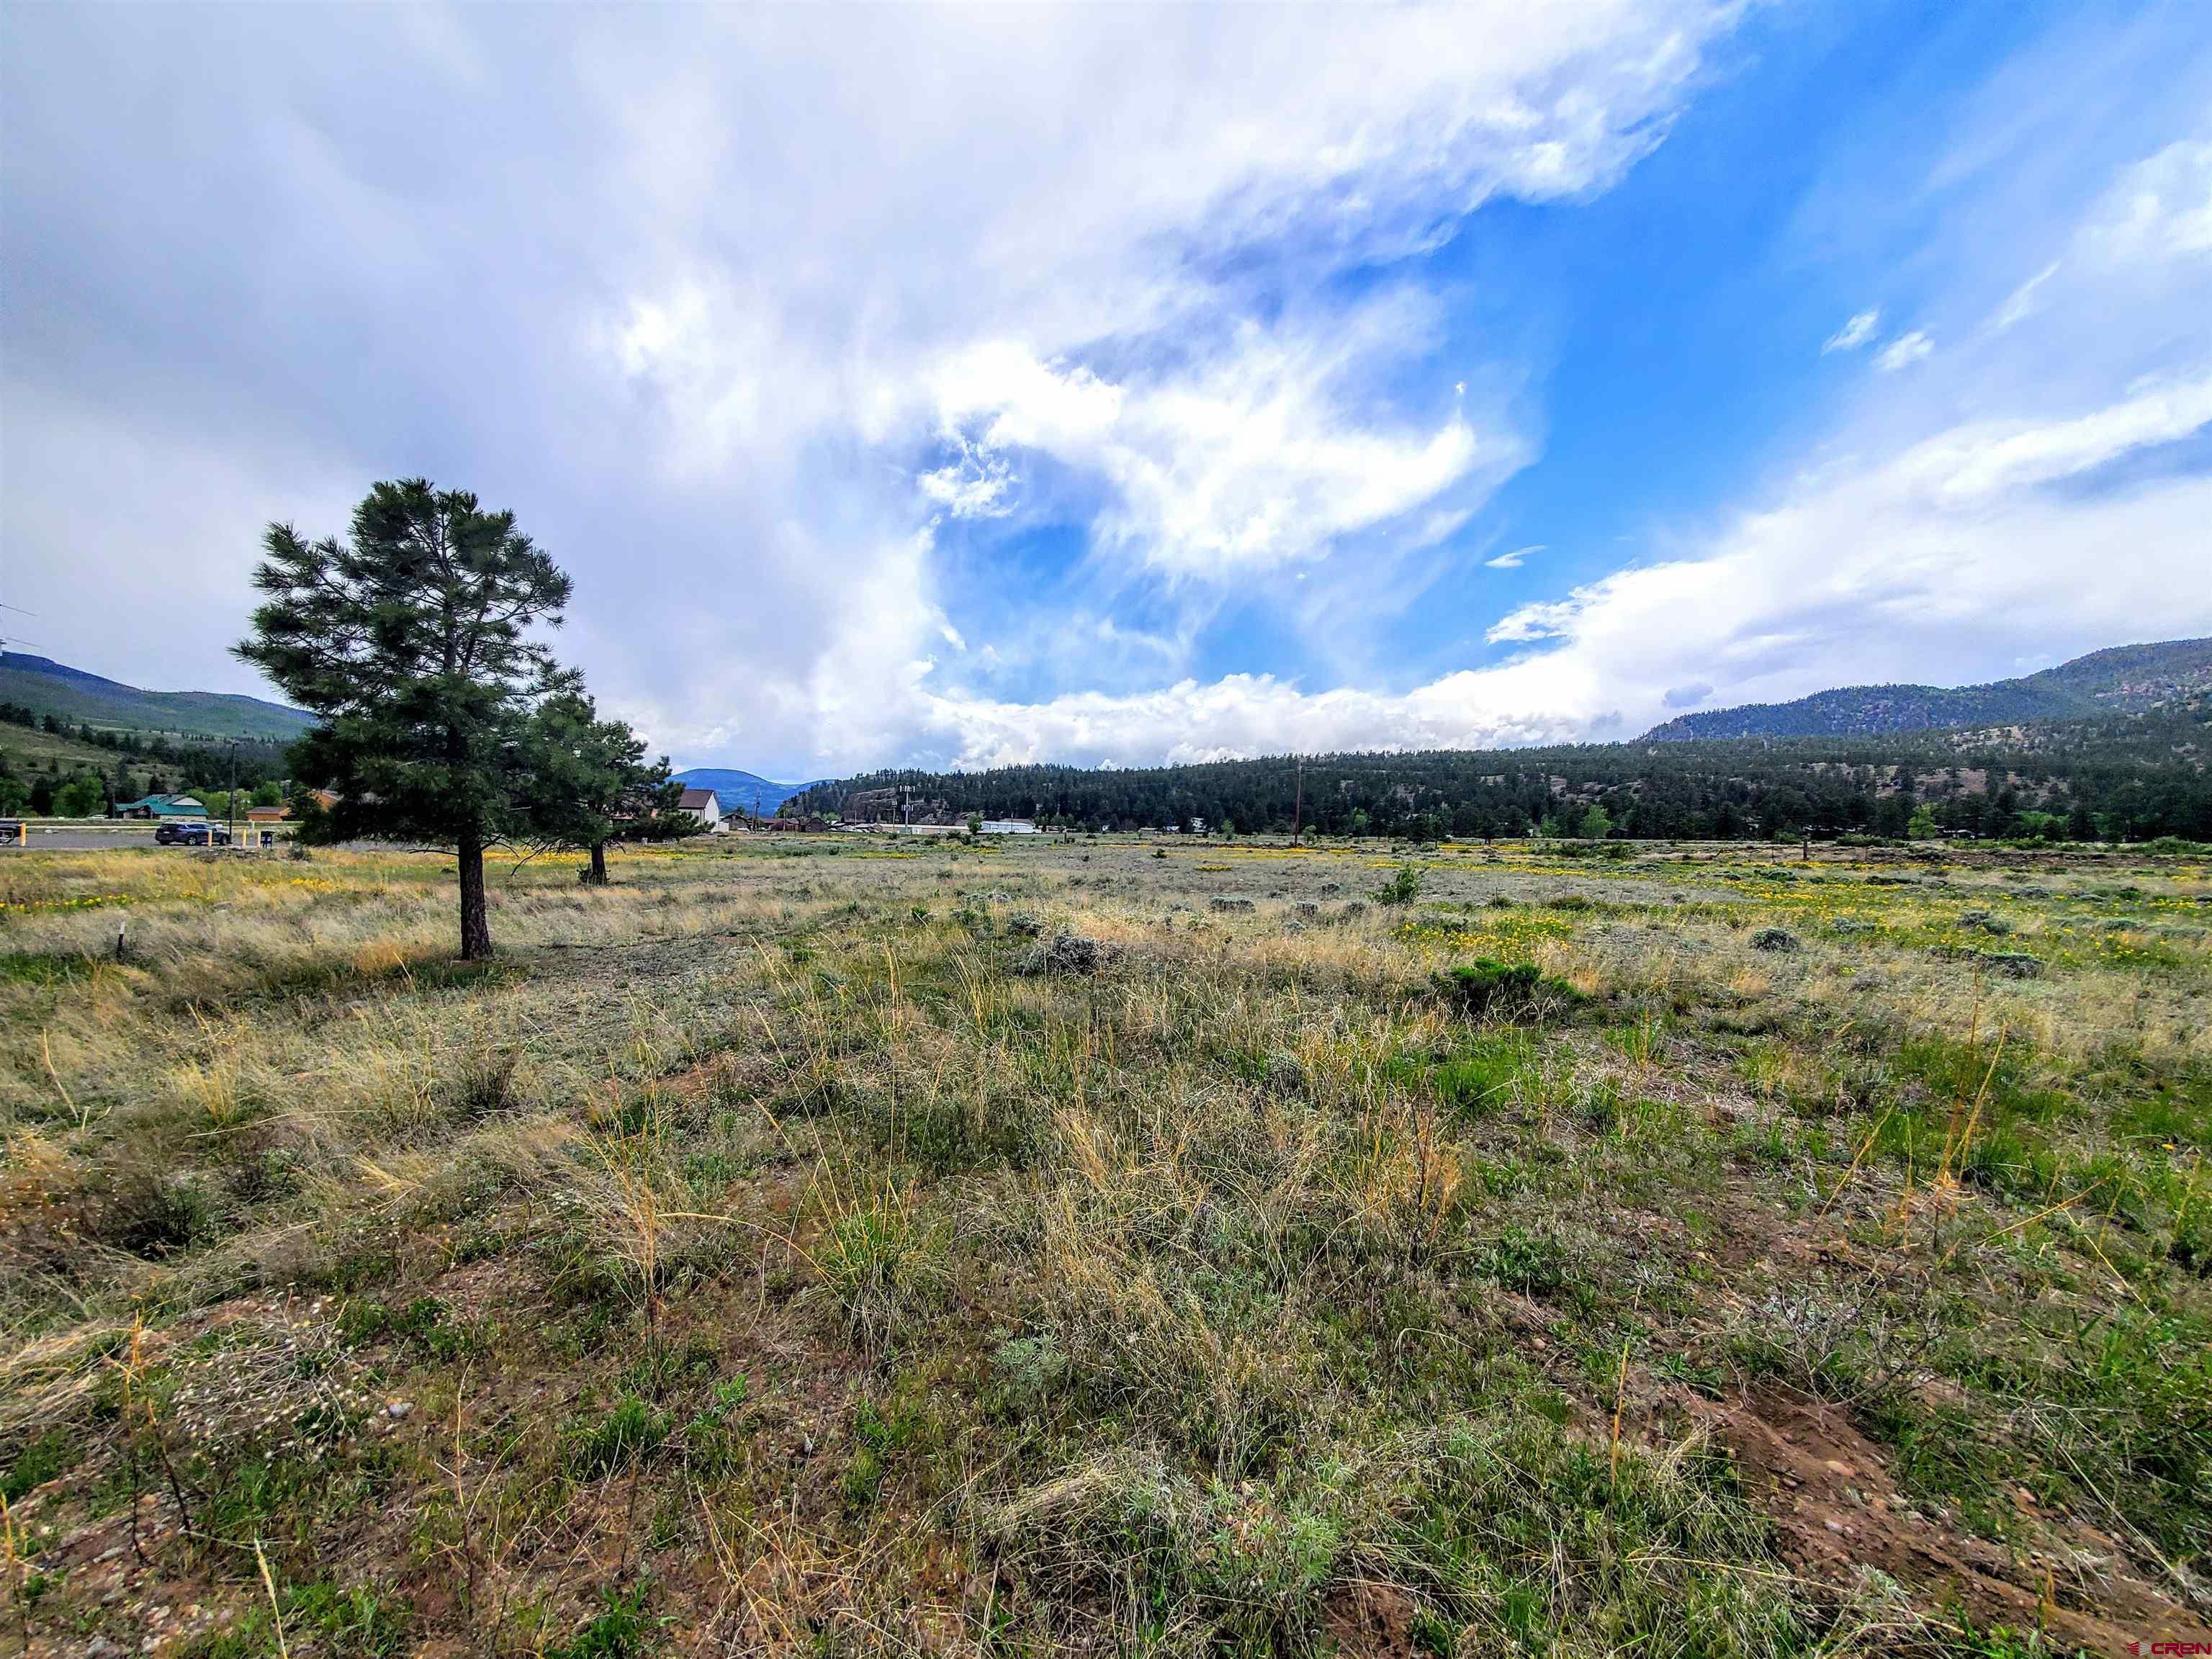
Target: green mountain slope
[[80, 698], [2124, 678]]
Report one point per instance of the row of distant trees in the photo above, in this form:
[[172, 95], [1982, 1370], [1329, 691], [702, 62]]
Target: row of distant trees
[[443, 716], [2125, 777]]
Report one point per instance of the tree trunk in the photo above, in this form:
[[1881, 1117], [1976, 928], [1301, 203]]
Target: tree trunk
[[476, 926], [597, 875]]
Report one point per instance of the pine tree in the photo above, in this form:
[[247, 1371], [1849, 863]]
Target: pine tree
[[588, 779], [411, 643]]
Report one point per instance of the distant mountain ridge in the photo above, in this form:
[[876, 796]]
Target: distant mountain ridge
[[2121, 678], [741, 792], [82, 698]]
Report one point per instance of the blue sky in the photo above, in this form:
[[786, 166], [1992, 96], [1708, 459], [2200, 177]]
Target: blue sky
[[1120, 386]]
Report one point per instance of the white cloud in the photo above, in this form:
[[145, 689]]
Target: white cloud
[[1872, 574], [1975, 462], [2022, 303], [1879, 567], [974, 485], [697, 311], [1853, 334], [1514, 560], [1247, 459], [754, 329], [2158, 209], [2156, 212], [204, 507], [1904, 351], [1955, 522]]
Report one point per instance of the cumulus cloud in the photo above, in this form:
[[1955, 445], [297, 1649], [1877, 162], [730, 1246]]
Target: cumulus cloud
[[771, 340], [1949, 553], [1885, 569], [715, 300]]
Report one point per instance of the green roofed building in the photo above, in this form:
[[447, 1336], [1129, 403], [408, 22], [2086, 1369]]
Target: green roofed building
[[159, 806]]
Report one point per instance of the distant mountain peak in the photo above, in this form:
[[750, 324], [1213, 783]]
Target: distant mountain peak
[[2118, 679], [740, 791]]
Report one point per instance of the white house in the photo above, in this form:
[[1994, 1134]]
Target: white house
[[705, 805]]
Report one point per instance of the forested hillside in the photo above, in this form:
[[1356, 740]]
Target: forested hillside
[[2125, 677], [68, 738], [48, 764], [2119, 776], [80, 698]]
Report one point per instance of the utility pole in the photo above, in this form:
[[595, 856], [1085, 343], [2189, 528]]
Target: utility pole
[[1298, 805], [230, 805]]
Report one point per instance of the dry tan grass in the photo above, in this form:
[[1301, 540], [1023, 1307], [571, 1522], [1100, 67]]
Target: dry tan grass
[[1202, 1249]]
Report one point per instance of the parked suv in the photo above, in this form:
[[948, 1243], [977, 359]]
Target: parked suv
[[193, 834]]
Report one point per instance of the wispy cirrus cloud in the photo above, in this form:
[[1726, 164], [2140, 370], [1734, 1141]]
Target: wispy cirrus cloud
[[1855, 333], [1904, 352]]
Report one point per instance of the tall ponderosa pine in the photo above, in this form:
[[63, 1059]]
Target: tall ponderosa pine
[[588, 779], [412, 645]]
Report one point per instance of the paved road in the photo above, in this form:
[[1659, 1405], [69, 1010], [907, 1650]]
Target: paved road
[[101, 840], [87, 841]]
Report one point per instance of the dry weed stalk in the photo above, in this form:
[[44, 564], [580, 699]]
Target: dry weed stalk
[[137, 1409]]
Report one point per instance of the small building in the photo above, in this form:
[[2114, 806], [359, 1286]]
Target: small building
[[705, 805], [1009, 827], [159, 806], [268, 814]]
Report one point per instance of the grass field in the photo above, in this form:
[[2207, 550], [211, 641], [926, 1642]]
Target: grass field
[[832, 1247]]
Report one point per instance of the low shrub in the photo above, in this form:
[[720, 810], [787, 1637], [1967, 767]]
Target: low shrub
[[1403, 887], [1484, 987]]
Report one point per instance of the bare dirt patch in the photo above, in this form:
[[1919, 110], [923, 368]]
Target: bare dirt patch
[[1837, 1507]]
